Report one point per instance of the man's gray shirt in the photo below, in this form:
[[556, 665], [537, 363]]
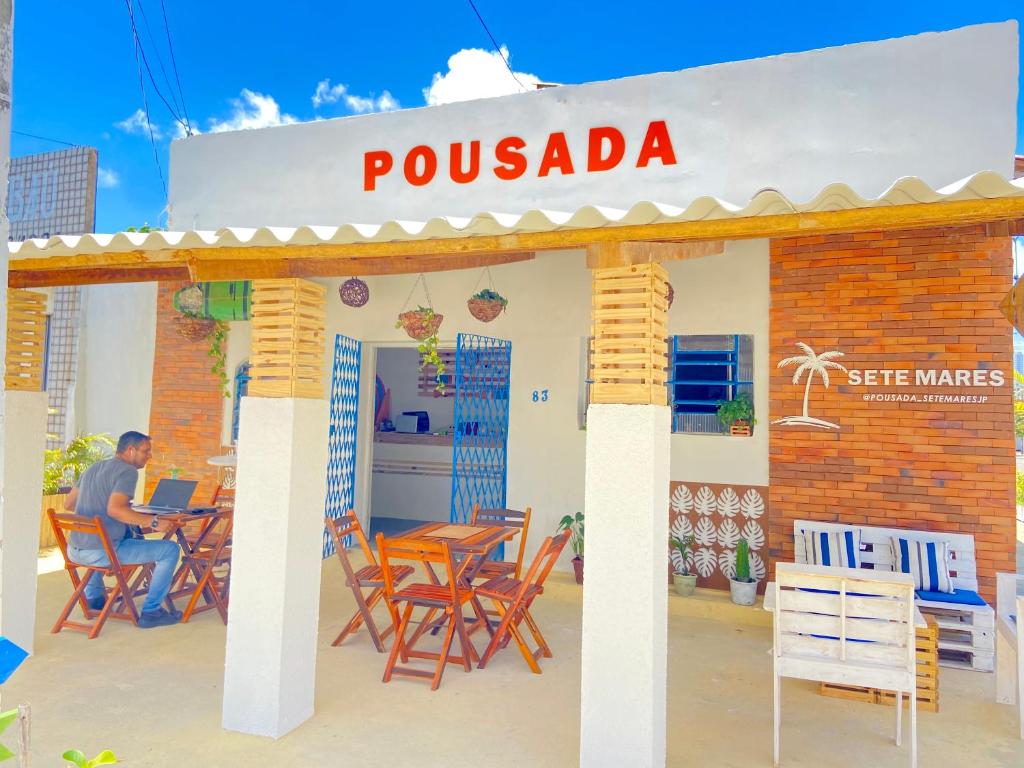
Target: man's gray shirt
[[95, 486]]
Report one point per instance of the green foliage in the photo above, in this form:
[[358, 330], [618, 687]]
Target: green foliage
[[76, 756], [575, 526], [740, 408], [488, 295], [1018, 404], [6, 718], [743, 561], [683, 547], [219, 352], [63, 466], [1020, 488], [144, 228]]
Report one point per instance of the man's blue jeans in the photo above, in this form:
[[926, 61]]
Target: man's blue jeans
[[130, 551]]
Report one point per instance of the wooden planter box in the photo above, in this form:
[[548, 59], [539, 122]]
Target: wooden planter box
[[46, 537], [740, 430], [927, 676]]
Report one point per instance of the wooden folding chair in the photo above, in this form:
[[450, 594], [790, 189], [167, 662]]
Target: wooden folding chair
[[449, 598], [212, 549], [512, 599], [66, 523], [370, 577], [510, 518], [223, 497]]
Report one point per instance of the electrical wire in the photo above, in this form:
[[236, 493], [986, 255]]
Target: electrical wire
[[495, 43], [139, 50], [44, 138], [159, 58], [174, 66], [145, 101]]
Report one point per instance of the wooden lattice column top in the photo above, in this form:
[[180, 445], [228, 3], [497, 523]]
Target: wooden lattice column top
[[26, 340], [629, 347], [287, 357]]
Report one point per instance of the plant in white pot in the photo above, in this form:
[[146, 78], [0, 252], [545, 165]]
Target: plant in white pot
[[742, 587], [684, 581]]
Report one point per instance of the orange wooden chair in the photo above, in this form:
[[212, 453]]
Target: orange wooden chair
[[210, 550], [512, 599], [370, 576], [449, 598], [510, 518], [223, 497], [66, 523]]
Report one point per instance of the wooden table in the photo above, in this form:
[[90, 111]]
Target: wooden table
[[472, 544]]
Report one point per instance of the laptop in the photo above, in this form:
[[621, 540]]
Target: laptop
[[169, 496]]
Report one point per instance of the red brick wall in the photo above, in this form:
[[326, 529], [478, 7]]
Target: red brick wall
[[921, 299], [185, 417]]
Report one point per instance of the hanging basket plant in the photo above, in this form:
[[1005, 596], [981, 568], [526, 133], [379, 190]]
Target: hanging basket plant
[[190, 323], [486, 305], [354, 292], [420, 323]]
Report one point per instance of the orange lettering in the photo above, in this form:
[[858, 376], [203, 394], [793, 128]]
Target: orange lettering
[[429, 165], [616, 148], [455, 163], [375, 164], [513, 163], [657, 144], [556, 155]]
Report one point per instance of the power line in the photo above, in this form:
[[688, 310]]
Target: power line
[[174, 66], [44, 138], [139, 50], [495, 43], [159, 58], [145, 101]]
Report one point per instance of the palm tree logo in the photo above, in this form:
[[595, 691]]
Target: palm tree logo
[[811, 363]]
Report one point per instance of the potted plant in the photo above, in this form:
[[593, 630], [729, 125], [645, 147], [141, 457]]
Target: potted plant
[[575, 526], [190, 322], [684, 581], [486, 305], [743, 588], [737, 414], [422, 324], [61, 469]]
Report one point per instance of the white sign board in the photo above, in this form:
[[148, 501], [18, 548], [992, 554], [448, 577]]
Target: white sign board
[[941, 106]]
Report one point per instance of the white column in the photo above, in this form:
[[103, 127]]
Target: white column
[[625, 593], [24, 438], [270, 665]]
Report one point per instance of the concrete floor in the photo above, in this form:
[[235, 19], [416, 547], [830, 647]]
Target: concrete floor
[[154, 697]]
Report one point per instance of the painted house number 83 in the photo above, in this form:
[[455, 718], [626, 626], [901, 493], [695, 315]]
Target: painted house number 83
[[540, 395]]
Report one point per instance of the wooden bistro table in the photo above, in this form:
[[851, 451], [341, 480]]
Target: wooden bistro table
[[199, 555], [471, 545]]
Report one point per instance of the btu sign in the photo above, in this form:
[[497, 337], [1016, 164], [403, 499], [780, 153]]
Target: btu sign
[[606, 149]]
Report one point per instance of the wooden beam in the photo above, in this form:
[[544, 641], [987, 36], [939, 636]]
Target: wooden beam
[[312, 260], [609, 255], [95, 276]]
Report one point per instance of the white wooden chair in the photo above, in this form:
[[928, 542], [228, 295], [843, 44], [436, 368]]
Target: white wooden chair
[[849, 627], [1010, 642]]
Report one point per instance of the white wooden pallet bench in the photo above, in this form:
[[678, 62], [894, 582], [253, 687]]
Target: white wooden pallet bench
[[966, 629]]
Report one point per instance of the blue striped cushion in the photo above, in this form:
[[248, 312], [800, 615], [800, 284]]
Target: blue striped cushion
[[840, 548], [926, 561]]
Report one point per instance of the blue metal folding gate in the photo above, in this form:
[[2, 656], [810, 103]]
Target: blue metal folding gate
[[341, 442], [479, 452]]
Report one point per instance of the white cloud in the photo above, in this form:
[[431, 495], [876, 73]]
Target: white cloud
[[331, 94], [136, 123], [253, 110], [476, 74], [107, 179]]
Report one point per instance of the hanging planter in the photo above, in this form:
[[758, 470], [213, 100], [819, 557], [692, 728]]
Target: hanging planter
[[420, 323], [486, 305], [354, 292], [194, 328]]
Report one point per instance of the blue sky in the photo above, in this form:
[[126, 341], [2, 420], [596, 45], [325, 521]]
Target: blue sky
[[75, 76]]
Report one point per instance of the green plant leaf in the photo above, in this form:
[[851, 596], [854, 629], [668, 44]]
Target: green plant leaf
[[5, 753], [106, 757], [75, 756]]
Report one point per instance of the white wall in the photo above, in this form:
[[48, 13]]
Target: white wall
[[724, 295], [863, 114], [117, 342]]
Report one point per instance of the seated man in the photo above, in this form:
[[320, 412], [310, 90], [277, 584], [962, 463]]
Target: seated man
[[105, 491]]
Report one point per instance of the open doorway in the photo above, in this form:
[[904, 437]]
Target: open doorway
[[411, 451]]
